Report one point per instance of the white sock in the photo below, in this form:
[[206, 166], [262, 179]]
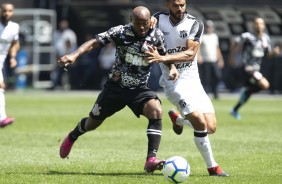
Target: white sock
[[204, 146], [181, 121], [2, 105]]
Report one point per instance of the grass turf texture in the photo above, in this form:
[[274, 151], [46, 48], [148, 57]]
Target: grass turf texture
[[250, 149]]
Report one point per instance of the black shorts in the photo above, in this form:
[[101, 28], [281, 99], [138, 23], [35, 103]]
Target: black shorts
[[250, 79], [114, 98]]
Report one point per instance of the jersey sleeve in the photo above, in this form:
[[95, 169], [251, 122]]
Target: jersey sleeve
[[241, 38], [161, 43], [108, 36], [197, 31], [157, 16]]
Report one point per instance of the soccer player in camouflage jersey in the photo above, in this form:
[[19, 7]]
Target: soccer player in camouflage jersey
[[127, 83], [253, 46]]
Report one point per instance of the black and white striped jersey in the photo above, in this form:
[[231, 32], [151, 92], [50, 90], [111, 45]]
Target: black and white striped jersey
[[130, 69]]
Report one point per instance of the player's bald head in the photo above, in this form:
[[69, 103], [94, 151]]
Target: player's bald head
[[141, 20], [140, 12]]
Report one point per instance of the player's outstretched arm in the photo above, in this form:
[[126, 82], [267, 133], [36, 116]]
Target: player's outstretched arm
[[71, 58], [183, 56]]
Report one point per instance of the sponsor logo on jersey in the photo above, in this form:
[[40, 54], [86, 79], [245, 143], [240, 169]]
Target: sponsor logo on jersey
[[183, 66], [96, 110], [135, 60], [176, 49], [183, 34]]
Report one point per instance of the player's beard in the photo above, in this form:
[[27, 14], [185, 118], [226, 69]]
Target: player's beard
[[175, 17]]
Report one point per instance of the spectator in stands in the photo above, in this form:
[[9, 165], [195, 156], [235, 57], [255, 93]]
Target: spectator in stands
[[254, 46], [210, 60], [276, 73], [85, 74], [66, 42]]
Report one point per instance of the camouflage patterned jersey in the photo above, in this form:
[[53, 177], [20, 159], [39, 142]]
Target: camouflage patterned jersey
[[254, 48], [130, 69]]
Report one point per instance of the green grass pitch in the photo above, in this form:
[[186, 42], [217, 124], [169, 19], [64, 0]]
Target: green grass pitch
[[250, 150]]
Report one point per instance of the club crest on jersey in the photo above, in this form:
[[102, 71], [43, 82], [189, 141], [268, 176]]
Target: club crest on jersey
[[96, 110], [183, 34]]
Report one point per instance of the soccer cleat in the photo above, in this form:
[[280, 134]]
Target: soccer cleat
[[66, 147], [153, 164], [217, 171], [173, 116], [7, 121], [235, 114]]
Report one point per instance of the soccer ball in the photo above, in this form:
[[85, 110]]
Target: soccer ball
[[176, 169]]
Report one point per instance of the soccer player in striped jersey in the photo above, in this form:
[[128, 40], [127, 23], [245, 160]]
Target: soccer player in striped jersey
[[253, 46], [183, 34], [127, 83], [9, 45]]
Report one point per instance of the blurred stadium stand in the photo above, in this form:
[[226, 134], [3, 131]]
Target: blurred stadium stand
[[231, 17]]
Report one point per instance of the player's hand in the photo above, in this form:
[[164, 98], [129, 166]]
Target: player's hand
[[276, 51], [66, 60], [153, 55], [173, 73], [249, 68], [13, 62], [153, 22]]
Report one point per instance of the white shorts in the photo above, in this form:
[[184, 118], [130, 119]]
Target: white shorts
[[188, 95]]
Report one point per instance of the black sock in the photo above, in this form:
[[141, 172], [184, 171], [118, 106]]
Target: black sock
[[78, 130], [244, 98], [154, 132]]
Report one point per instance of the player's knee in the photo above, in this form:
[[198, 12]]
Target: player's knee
[[156, 112], [153, 110], [211, 123], [2, 85], [263, 84], [198, 121], [211, 130]]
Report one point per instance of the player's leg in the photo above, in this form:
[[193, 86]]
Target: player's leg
[[153, 112], [4, 120], [145, 102], [263, 83], [255, 83], [85, 125], [211, 122], [105, 106], [200, 112], [174, 95], [202, 142]]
